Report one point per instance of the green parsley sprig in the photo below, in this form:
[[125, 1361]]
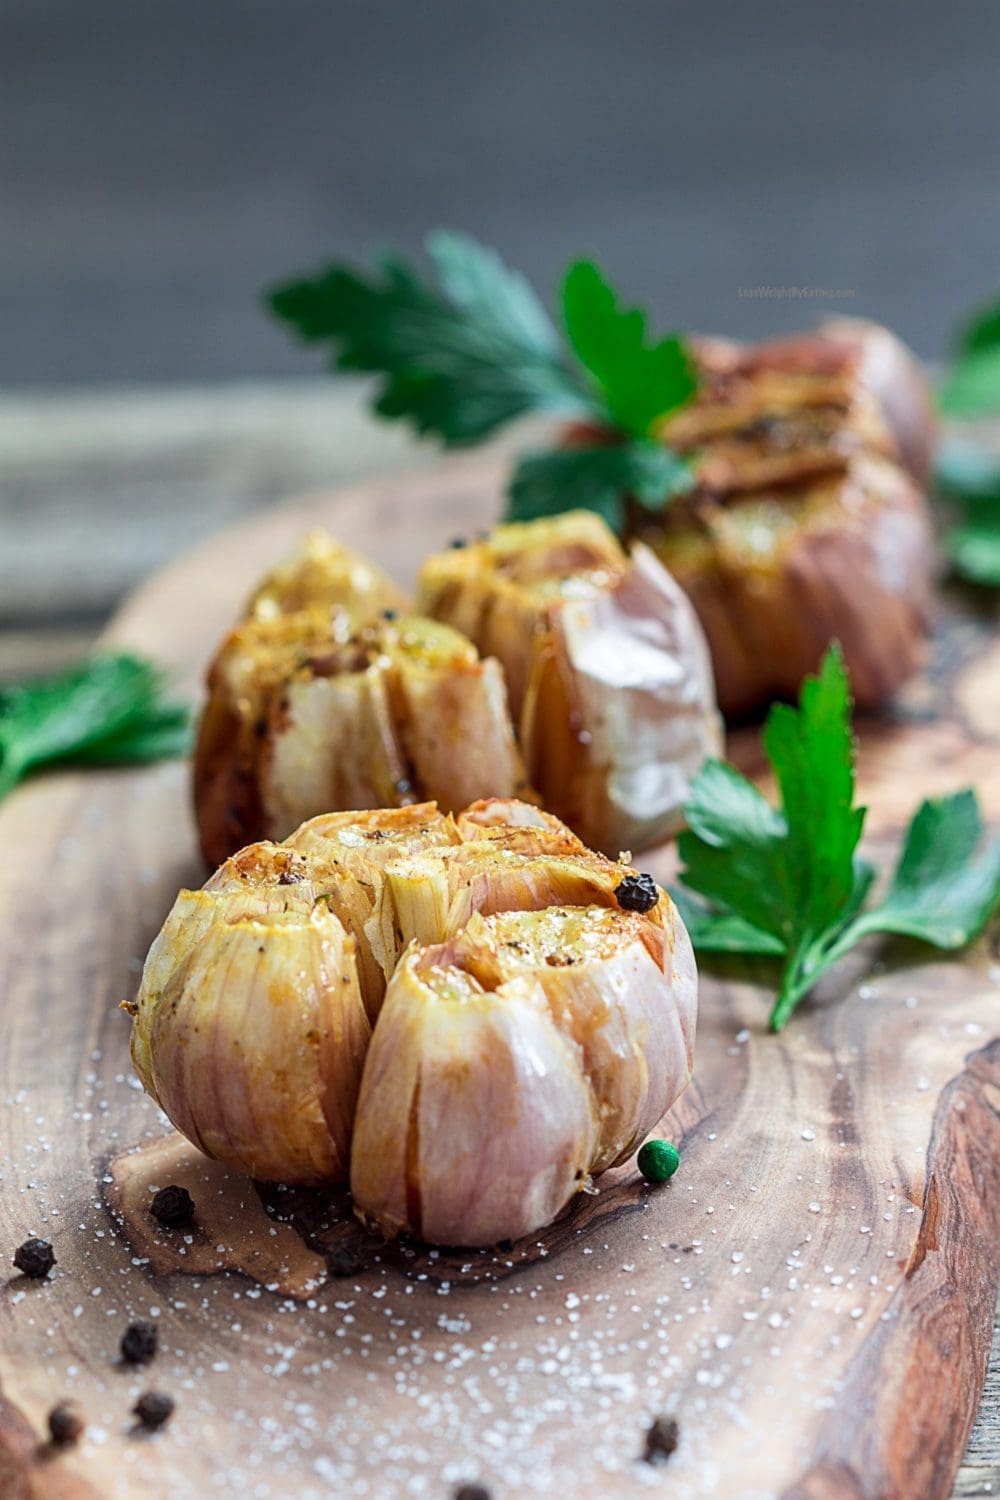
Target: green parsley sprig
[[462, 346], [968, 479], [786, 882], [110, 710], [972, 385]]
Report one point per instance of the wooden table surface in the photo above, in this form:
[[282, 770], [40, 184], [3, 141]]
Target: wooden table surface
[[96, 490]]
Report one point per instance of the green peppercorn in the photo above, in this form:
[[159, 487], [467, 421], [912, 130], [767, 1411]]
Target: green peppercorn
[[658, 1160]]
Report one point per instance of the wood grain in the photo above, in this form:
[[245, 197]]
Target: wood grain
[[867, 1448], [829, 1229]]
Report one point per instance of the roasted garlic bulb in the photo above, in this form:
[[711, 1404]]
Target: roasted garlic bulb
[[471, 1016], [311, 711], [606, 666], [807, 522]]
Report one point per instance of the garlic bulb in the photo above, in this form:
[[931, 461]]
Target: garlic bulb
[[806, 523], [472, 1015], [606, 666], [477, 1123], [310, 711]]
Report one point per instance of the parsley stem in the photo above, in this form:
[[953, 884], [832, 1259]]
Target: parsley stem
[[807, 969]]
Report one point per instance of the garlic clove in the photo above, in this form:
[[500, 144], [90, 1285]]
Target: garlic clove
[[250, 1031], [332, 742], [474, 1121], [517, 825], [322, 572], [609, 981], [606, 665], [265, 871], [452, 713], [282, 691], [631, 665], [497, 590], [347, 853], [363, 843]]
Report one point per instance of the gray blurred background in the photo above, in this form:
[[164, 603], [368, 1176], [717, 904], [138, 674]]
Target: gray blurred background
[[160, 162]]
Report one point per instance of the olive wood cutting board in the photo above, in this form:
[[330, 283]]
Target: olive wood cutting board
[[811, 1296]]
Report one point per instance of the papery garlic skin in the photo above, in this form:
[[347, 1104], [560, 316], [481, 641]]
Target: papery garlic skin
[[250, 1030], [474, 1123], [606, 665], [643, 694]]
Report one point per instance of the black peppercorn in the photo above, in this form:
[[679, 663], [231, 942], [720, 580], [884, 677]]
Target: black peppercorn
[[637, 893], [173, 1206], [390, 614], [153, 1408], [661, 1440], [65, 1424], [458, 542], [35, 1258], [138, 1345], [472, 1492], [344, 1259]]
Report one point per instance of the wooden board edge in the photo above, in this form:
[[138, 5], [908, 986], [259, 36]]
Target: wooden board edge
[[895, 1433]]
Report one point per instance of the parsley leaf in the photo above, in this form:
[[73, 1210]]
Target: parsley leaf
[[786, 882], [557, 479], [714, 931], [942, 891], [107, 711], [982, 331], [734, 850], [461, 350], [463, 346], [970, 480], [639, 380], [972, 386], [812, 751]]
